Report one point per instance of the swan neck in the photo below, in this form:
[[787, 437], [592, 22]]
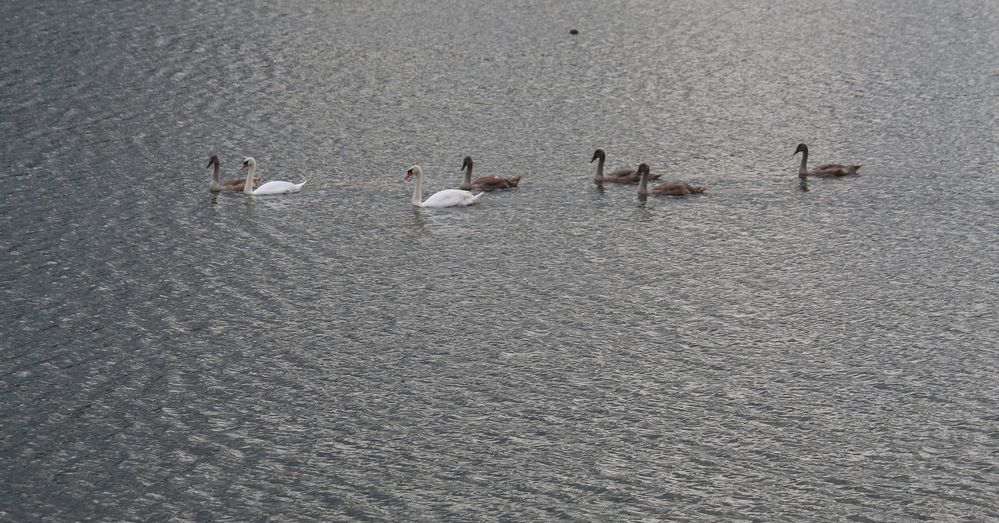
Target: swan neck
[[600, 168], [214, 185], [468, 178], [643, 185], [248, 184], [803, 170], [417, 188]]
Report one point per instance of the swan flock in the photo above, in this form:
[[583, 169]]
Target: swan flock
[[464, 196]]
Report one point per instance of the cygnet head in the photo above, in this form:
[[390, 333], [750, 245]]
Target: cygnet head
[[413, 171], [466, 163], [598, 154], [214, 160], [249, 162], [802, 148]]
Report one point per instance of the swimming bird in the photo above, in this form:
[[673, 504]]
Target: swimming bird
[[229, 185], [824, 170], [445, 198], [622, 175], [664, 189], [272, 187], [486, 183]]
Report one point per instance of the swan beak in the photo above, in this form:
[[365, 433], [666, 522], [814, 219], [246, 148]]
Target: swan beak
[[409, 174]]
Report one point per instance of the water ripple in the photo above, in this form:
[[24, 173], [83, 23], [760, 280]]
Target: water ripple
[[559, 351]]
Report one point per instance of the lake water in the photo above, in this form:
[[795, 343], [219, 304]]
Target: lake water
[[558, 351]]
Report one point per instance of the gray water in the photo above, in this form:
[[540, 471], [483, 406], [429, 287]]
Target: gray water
[[558, 351]]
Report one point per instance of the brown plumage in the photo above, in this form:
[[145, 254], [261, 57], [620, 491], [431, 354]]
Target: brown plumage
[[664, 189], [622, 175], [822, 171], [485, 183], [229, 185]]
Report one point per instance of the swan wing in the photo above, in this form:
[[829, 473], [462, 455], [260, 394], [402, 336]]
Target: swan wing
[[451, 198], [239, 182], [670, 189], [832, 169], [621, 173], [829, 167], [489, 182], [838, 169], [277, 187]]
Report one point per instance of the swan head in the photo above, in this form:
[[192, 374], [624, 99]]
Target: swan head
[[643, 170], [802, 148], [466, 163], [599, 154], [248, 162], [214, 160], [413, 171]]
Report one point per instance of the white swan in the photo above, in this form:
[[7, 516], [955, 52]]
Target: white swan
[[274, 187], [445, 198]]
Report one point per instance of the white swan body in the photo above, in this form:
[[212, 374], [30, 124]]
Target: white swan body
[[274, 187], [277, 187], [445, 198]]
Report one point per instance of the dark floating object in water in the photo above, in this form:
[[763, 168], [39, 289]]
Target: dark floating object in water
[[574, 31]]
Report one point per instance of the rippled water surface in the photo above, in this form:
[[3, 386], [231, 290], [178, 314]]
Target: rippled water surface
[[558, 351]]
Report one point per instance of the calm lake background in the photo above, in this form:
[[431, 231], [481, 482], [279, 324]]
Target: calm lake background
[[558, 351]]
